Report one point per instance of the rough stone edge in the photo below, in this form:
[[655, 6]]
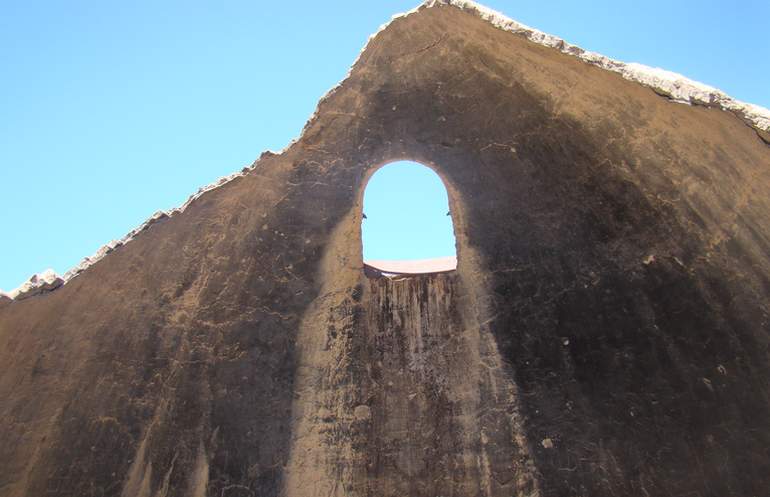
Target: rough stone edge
[[678, 88], [672, 85], [29, 287], [42, 282]]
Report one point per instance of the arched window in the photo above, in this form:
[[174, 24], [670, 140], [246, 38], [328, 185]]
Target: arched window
[[407, 225]]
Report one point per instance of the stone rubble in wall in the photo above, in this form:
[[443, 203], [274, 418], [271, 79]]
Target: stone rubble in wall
[[33, 284], [155, 218], [48, 280], [45, 281], [677, 87]]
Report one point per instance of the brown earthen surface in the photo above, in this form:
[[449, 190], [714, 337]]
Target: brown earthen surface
[[606, 332]]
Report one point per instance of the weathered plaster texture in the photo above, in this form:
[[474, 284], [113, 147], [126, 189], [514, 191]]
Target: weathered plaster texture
[[606, 332]]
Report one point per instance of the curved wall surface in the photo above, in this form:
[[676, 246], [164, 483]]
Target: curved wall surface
[[605, 333]]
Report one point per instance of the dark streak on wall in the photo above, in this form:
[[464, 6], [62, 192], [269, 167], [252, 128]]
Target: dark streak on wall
[[607, 329]]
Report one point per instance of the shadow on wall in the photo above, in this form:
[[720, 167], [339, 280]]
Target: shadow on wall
[[407, 225]]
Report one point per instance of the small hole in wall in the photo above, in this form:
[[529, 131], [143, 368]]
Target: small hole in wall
[[406, 226]]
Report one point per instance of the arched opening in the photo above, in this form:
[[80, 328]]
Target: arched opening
[[407, 225]]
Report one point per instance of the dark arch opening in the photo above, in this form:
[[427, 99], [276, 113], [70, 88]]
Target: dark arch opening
[[407, 226]]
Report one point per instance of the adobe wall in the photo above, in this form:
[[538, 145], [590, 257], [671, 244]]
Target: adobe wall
[[606, 330]]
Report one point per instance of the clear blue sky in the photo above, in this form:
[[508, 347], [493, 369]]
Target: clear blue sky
[[110, 111], [406, 210]]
